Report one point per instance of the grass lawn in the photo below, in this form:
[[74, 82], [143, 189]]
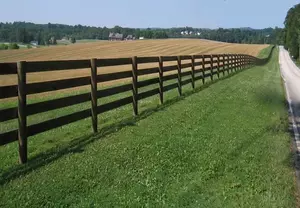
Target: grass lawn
[[225, 145]]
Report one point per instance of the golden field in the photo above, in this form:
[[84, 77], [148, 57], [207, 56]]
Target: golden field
[[107, 49]]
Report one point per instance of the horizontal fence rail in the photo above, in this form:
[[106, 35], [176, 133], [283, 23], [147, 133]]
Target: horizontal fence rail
[[200, 67]]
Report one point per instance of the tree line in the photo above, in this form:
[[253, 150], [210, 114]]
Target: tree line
[[44, 34], [292, 31]]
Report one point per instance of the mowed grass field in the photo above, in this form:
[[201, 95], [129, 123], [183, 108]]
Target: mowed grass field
[[107, 49], [224, 145]]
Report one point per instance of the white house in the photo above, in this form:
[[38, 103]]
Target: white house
[[141, 38], [34, 43]]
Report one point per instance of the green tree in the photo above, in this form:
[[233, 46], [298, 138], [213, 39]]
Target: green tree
[[292, 35], [73, 40]]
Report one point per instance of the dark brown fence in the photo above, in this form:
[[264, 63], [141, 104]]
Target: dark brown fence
[[218, 64]]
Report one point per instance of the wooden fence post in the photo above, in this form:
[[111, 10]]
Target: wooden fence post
[[227, 63], [235, 62], [203, 69], [94, 94], [179, 75], [193, 71], [218, 56], [231, 62], [161, 80], [223, 68], [211, 68], [135, 85], [239, 62], [248, 61], [22, 117]]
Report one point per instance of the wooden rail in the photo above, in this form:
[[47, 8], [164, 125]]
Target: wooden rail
[[201, 67]]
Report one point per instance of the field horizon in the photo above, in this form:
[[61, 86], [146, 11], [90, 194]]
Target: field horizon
[[118, 49]]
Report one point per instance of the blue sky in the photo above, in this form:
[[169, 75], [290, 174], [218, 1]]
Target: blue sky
[[154, 13]]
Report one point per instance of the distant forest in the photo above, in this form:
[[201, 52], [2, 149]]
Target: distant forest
[[24, 32]]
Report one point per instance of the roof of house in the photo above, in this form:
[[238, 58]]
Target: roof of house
[[115, 35]]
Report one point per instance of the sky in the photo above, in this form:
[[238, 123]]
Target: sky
[[145, 13]]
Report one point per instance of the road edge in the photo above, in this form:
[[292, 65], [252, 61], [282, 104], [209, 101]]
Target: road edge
[[295, 143]]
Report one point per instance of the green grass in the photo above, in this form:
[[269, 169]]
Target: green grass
[[225, 145], [88, 40]]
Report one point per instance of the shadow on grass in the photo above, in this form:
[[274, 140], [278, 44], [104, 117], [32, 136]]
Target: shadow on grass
[[78, 144]]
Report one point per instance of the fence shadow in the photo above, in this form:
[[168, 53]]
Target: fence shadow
[[78, 144]]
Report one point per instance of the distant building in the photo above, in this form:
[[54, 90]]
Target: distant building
[[115, 36], [130, 37], [53, 40], [141, 38], [34, 43]]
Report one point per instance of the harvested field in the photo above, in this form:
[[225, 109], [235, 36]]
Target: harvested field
[[106, 49]]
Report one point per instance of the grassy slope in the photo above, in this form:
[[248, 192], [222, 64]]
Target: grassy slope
[[225, 146]]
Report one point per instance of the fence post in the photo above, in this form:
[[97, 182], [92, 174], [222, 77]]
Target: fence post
[[235, 62], [248, 59], [179, 75], [134, 86], [218, 56], [161, 80], [94, 94], [211, 67], [22, 117], [231, 62], [240, 65], [242, 61], [193, 71], [227, 63], [203, 69], [223, 68]]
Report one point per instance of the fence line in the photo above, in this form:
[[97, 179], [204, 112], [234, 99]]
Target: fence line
[[207, 65]]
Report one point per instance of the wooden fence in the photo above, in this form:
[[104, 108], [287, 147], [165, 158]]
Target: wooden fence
[[199, 65]]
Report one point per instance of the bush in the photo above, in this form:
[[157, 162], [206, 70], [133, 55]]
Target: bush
[[3, 46], [13, 46], [73, 40], [29, 46]]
